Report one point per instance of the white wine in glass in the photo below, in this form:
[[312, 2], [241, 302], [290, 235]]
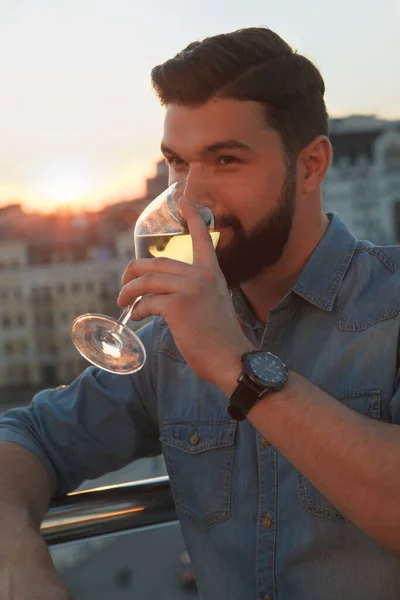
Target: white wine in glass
[[160, 231], [175, 246]]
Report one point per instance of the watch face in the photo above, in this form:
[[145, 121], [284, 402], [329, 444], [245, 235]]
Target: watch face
[[267, 369]]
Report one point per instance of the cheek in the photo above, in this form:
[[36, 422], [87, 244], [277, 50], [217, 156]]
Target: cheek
[[260, 197], [176, 176], [248, 204]]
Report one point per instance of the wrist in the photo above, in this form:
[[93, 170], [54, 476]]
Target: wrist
[[24, 542], [228, 376], [278, 398]]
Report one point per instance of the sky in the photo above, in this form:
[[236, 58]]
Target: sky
[[79, 122]]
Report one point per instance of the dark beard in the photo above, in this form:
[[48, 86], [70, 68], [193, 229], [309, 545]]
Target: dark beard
[[247, 255]]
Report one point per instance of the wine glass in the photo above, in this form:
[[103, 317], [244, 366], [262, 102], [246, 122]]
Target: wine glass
[[160, 231]]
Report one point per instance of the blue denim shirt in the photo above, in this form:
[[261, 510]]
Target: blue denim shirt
[[254, 526]]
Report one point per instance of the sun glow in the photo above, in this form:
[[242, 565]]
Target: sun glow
[[76, 185], [63, 190], [64, 185]]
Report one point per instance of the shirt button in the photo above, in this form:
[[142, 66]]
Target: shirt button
[[194, 438], [267, 521], [265, 442]]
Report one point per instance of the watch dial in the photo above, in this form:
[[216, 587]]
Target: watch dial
[[268, 368]]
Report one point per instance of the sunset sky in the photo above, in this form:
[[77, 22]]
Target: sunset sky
[[79, 123]]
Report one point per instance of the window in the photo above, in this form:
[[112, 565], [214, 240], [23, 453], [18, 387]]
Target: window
[[78, 254], [42, 257], [89, 286], [71, 371], [42, 293], [344, 167], [9, 348], [76, 287], [21, 320], [52, 348], [111, 285], [6, 322], [392, 158], [17, 293], [61, 289], [49, 374], [80, 365], [46, 292], [23, 375]]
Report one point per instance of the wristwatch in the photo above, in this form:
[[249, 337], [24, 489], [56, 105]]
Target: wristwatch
[[262, 372]]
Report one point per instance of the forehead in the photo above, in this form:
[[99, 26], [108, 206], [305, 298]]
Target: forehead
[[192, 128]]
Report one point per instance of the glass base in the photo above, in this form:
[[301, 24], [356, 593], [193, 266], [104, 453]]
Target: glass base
[[107, 344]]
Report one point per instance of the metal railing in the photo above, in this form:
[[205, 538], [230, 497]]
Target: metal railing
[[110, 510]]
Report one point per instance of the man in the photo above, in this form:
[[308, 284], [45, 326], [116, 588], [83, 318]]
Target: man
[[287, 484]]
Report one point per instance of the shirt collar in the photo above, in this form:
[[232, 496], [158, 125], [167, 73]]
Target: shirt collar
[[243, 310], [321, 278]]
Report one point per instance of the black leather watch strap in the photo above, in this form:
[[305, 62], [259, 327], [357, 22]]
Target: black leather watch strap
[[242, 400]]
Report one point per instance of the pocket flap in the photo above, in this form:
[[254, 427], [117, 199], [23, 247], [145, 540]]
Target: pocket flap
[[198, 436], [366, 402]]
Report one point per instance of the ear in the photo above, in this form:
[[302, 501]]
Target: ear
[[313, 163]]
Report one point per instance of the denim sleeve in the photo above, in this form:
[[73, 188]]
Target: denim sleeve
[[395, 408], [395, 401], [97, 424]]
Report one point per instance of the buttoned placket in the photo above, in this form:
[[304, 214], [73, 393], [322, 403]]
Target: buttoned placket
[[270, 339]]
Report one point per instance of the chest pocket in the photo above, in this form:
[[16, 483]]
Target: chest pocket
[[199, 457], [366, 402]]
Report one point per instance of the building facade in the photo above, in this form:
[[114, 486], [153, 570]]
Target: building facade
[[363, 182], [53, 272], [38, 304]]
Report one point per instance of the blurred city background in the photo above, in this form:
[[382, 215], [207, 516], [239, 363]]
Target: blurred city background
[[79, 161]]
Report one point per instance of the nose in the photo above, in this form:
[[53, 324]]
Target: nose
[[196, 188]]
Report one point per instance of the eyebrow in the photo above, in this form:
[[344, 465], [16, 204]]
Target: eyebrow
[[230, 144]]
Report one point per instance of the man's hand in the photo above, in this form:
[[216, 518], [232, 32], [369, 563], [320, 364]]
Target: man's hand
[[195, 302]]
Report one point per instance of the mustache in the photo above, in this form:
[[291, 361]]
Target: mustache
[[227, 221]]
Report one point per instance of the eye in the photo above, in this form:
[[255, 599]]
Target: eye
[[174, 162], [224, 161]]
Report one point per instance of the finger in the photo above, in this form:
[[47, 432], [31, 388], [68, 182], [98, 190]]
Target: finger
[[203, 248], [137, 268], [152, 283], [151, 306]]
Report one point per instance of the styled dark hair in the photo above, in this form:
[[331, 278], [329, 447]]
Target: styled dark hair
[[250, 64]]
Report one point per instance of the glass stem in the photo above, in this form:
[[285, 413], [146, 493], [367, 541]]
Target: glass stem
[[126, 315]]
